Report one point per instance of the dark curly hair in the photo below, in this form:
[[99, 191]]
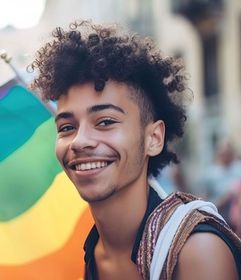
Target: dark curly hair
[[98, 53]]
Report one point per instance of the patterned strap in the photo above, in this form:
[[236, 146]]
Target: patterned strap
[[156, 223], [168, 232]]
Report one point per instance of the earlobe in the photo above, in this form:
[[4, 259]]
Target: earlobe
[[156, 138]]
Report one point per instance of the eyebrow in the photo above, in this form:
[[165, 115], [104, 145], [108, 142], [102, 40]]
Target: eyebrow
[[102, 107], [92, 109], [64, 115]]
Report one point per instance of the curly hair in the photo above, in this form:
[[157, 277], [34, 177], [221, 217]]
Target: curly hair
[[97, 53]]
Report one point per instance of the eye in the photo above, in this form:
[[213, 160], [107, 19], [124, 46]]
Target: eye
[[65, 128], [106, 122]]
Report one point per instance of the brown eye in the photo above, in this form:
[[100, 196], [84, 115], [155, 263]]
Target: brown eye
[[65, 128], [106, 122]]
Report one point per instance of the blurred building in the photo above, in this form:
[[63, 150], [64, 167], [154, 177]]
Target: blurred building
[[205, 33]]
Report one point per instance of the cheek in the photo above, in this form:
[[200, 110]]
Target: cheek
[[57, 152], [60, 150], [129, 143], [126, 137], [122, 142]]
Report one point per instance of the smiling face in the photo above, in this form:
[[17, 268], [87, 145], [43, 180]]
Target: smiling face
[[101, 144]]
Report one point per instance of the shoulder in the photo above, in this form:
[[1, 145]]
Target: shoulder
[[205, 256]]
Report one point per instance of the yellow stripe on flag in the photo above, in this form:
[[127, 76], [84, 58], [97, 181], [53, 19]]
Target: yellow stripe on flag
[[45, 227]]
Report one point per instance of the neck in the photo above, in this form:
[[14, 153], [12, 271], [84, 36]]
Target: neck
[[118, 217]]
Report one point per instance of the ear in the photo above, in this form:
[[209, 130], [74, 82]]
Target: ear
[[155, 138]]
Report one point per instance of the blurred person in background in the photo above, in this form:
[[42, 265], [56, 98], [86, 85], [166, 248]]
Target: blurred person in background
[[117, 113], [222, 175]]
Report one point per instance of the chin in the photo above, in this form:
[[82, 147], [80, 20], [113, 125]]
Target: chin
[[93, 198]]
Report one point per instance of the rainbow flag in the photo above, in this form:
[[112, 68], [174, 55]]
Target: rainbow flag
[[43, 221]]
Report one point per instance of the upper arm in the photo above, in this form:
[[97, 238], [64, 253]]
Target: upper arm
[[205, 256]]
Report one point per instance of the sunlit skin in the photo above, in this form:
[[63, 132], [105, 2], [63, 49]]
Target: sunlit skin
[[104, 150], [102, 128]]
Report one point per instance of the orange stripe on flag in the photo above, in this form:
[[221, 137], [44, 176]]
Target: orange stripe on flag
[[64, 264]]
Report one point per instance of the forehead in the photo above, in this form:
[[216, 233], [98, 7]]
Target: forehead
[[80, 98]]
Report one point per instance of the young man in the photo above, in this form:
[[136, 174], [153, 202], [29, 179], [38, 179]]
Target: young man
[[120, 103]]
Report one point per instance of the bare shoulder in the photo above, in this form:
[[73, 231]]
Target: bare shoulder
[[205, 256]]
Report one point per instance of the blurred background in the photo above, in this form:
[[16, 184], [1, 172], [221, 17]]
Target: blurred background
[[206, 34]]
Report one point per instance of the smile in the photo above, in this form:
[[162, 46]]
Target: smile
[[90, 165]]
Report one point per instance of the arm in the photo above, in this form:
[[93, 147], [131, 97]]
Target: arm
[[205, 256]]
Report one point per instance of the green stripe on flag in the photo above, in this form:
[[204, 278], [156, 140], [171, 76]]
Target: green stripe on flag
[[27, 173], [20, 114]]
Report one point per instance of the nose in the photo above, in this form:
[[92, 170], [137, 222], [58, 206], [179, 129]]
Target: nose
[[84, 139]]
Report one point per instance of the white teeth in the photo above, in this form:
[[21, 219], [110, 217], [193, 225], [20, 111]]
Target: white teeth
[[90, 165]]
